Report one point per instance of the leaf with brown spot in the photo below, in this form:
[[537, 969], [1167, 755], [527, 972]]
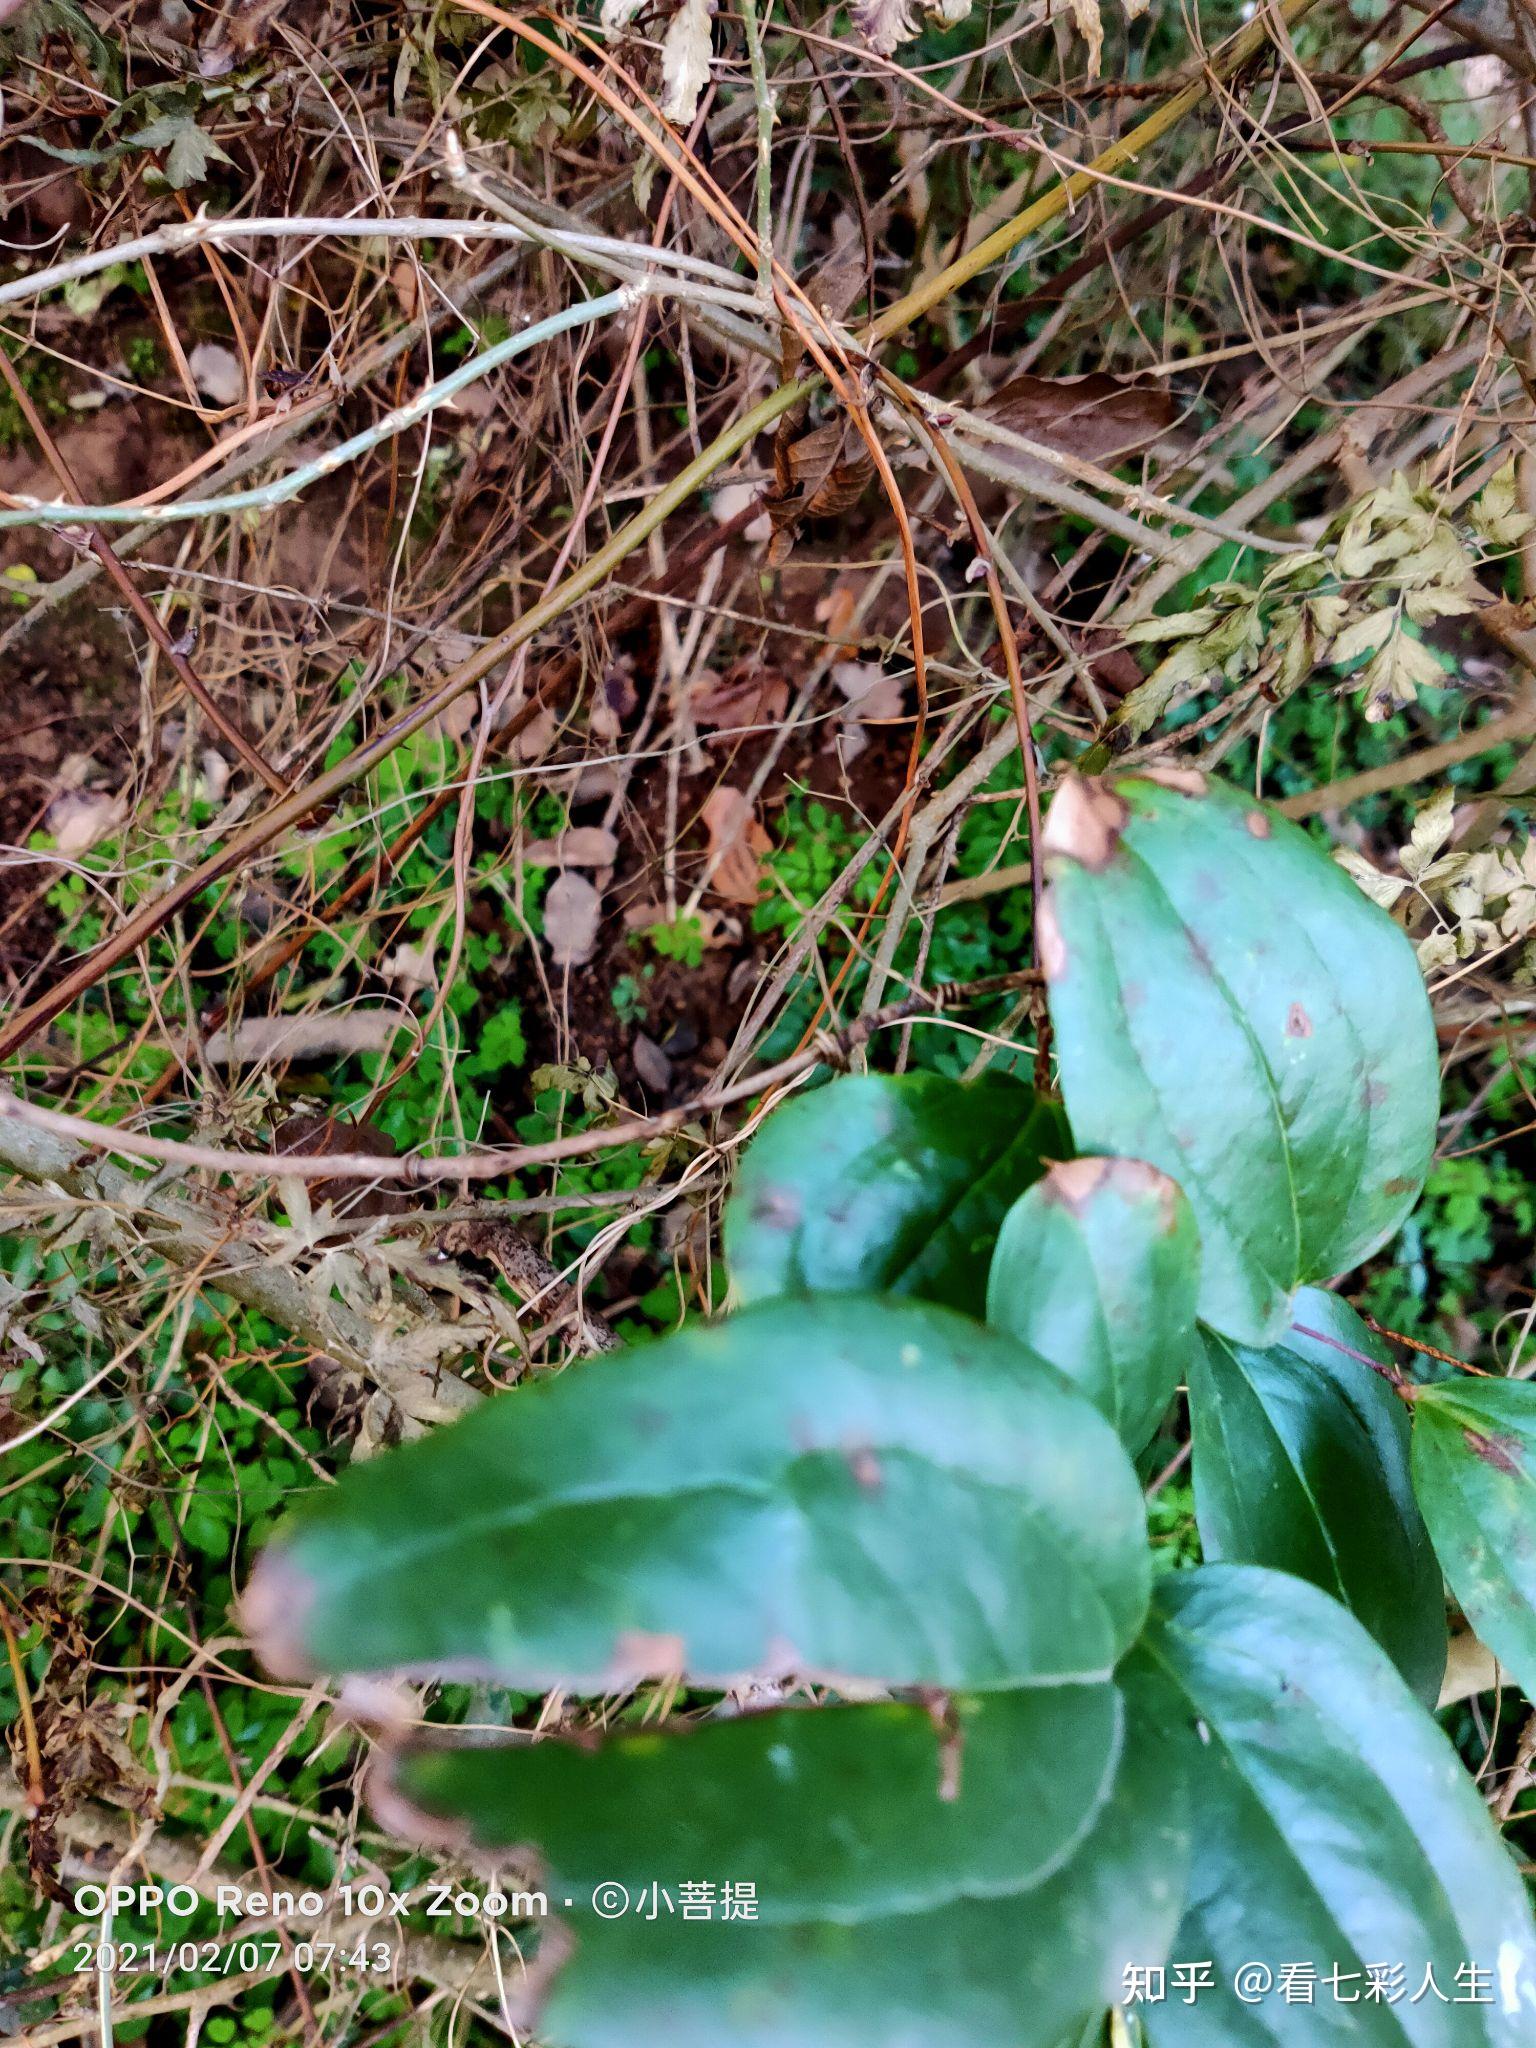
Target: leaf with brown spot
[[689, 1507], [1023, 1841], [1300, 1148], [1084, 822], [1474, 1470], [1097, 1267]]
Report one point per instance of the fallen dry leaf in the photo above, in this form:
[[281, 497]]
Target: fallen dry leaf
[[571, 912], [651, 1064], [403, 283], [537, 736], [614, 701], [584, 846], [745, 695], [885, 23], [736, 843], [817, 474], [835, 611], [80, 818], [1098, 418], [871, 693], [409, 968], [317, 1034], [732, 498], [217, 373], [685, 53]]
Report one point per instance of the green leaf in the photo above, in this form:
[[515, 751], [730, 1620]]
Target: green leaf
[[1229, 1007], [841, 1487], [847, 1813], [189, 149], [1097, 1268], [1474, 1467], [1337, 1829], [963, 1884], [886, 1183], [1301, 1463]]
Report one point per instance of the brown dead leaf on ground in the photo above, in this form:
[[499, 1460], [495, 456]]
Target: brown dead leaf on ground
[[746, 695], [537, 737], [615, 700], [1097, 418], [583, 846], [311, 1134], [80, 818], [872, 697], [571, 912], [737, 843], [217, 373], [835, 611]]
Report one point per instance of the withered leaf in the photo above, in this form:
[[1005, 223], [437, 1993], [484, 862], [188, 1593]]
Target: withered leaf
[[309, 1135], [582, 846], [746, 695], [817, 475], [651, 1064], [571, 912], [685, 54], [736, 840], [1097, 418]]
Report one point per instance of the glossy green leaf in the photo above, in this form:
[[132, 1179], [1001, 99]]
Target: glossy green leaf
[[953, 1883], [839, 1487], [1337, 1830], [886, 1183], [1474, 1468], [1097, 1268], [846, 1812], [1230, 1007], [1301, 1463]]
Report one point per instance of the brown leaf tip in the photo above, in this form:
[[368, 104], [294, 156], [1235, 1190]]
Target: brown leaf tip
[[639, 1654], [1085, 823], [1076, 1182], [273, 1610], [1182, 781], [1050, 947]]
